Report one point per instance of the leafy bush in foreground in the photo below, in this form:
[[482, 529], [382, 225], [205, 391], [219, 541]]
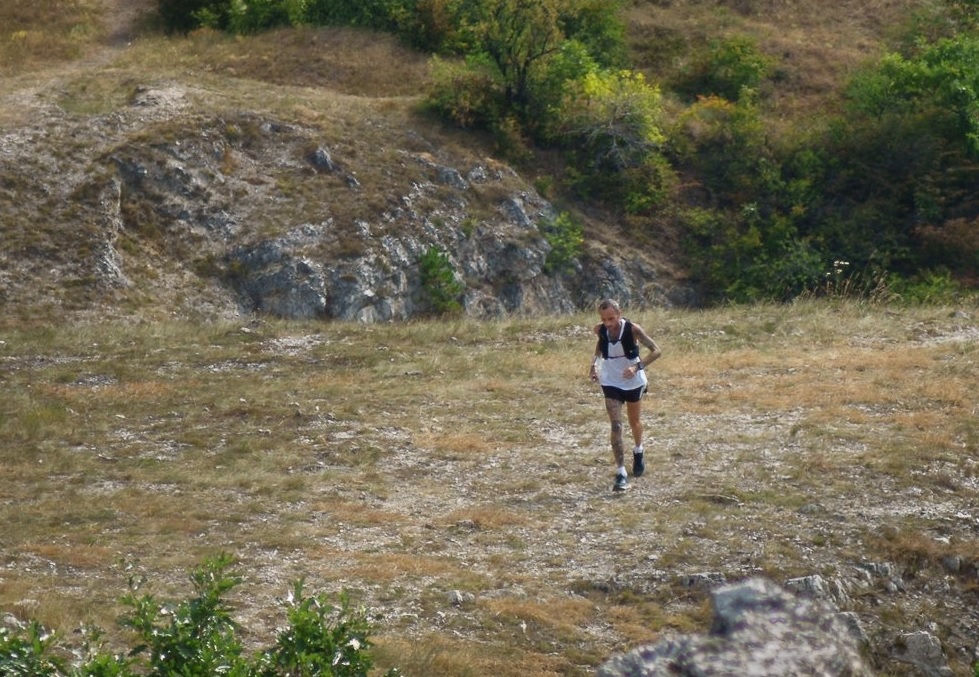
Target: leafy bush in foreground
[[197, 637]]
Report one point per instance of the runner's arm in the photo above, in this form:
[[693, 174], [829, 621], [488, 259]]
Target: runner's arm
[[644, 339]]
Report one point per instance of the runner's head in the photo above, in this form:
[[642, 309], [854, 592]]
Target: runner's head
[[610, 313]]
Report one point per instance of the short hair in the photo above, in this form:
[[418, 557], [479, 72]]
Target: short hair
[[609, 303]]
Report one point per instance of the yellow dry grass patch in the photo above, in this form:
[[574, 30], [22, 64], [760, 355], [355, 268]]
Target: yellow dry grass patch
[[49, 606], [633, 623], [355, 514], [343, 60], [45, 32], [458, 444], [388, 567], [487, 516], [560, 615], [438, 654], [75, 555], [431, 655]]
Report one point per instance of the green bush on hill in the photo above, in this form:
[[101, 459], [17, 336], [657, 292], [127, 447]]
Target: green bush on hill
[[440, 286], [185, 15], [727, 69], [249, 16], [468, 95], [565, 236], [899, 188], [610, 124]]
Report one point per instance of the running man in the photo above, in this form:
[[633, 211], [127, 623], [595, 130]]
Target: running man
[[618, 368]]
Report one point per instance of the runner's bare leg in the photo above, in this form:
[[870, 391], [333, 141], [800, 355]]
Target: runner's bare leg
[[635, 421], [614, 409]]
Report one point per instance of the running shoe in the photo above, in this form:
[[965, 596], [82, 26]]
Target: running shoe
[[621, 483], [638, 465]]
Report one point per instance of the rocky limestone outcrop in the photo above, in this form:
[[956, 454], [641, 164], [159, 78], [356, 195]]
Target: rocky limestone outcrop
[[290, 226], [227, 213], [500, 265], [758, 630], [212, 187]]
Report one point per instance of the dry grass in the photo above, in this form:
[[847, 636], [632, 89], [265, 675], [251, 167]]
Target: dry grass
[[815, 45], [46, 32], [347, 61], [407, 461]]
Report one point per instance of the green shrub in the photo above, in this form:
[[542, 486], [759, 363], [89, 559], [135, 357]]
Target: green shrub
[[935, 286], [725, 145], [236, 16], [940, 83], [185, 15], [514, 33], [440, 287], [521, 54], [598, 25], [434, 26], [197, 638], [250, 16], [730, 68], [566, 237], [516, 36], [28, 653], [904, 158], [617, 116], [254, 16], [610, 123], [192, 638], [510, 140], [468, 94], [748, 256], [572, 63], [321, 639], [375, 14]]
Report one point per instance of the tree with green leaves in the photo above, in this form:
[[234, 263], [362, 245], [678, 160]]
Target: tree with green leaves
[[610, 122], [517, 35], [566, 237], [940, 83]]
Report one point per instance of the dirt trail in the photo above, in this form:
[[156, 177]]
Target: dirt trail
[[21, 100], [122, 19]]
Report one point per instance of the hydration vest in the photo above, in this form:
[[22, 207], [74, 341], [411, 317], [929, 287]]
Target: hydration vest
[[628, 341]]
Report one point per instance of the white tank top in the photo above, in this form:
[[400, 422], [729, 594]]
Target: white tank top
[[610, 373]]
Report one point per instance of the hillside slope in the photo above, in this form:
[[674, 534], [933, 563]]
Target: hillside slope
[[291, 173], [116, 201], [816, 45]]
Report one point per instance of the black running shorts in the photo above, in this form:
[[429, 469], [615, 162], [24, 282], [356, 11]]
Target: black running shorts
[[613, 393]]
